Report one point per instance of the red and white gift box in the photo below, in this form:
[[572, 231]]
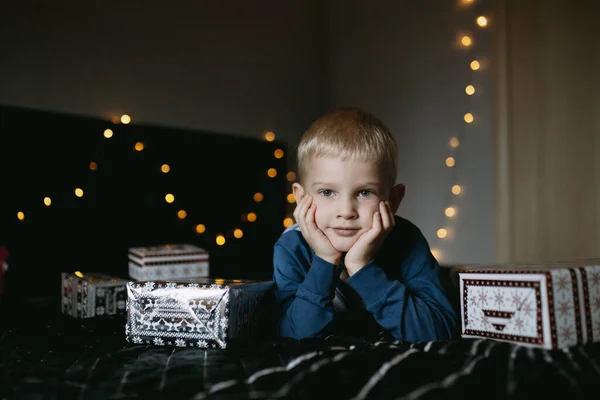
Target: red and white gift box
[[168, 261], [546, 306]]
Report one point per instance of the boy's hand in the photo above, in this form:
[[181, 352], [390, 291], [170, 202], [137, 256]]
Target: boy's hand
[[369, 242], [305, 217]]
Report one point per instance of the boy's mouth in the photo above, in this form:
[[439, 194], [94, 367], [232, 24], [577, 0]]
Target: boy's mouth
[[345, 231]]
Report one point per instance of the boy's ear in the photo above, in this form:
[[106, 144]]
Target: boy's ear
[[396, 196], [298, 191]]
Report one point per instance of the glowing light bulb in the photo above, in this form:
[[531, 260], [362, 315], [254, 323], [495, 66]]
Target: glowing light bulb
[[290, 176], [200, 228], [251, 217], [450, 212], [78, 192], [93, 166], [287, 222], [475, 65], [169, 198], [269, 136], [468, 118], [278, 153], [47, 201], [442, 233], [454, 142], [482, 21], [466, 41], [108, 133], [450, 162], [220, 240], [181, 214], [258, 197], [470, 90], [165, 168], [139, 146], [20, 215], [125, 119], [291, 198], [272, 172], [238, 233], [456, 189]]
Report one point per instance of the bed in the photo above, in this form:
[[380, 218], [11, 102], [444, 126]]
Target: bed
[[46, 355]]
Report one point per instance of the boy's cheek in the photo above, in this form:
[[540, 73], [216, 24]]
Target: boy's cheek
[[320, 218], [318, 221]]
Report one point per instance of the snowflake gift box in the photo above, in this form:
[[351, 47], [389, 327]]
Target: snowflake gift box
[[86, 295], [168, 261], [545, 306], [205, 313]]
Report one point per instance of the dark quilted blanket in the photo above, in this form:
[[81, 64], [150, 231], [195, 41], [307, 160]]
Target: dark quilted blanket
[[44, 355]]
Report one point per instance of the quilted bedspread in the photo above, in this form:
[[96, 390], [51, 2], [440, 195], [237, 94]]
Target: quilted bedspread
[[44, 355]]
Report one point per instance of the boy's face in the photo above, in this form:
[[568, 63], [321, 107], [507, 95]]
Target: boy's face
[[347, 194]]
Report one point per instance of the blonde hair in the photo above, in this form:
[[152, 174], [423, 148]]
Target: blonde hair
[[349, 133]]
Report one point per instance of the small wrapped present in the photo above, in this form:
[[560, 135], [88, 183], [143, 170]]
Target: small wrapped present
[[86, 295], [547, 306], [206, 313], [168, 261]]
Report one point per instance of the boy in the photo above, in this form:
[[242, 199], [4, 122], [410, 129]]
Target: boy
[[349, 266]]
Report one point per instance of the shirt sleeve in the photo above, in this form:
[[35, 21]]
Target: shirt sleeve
[[415, 307], [304, 296]]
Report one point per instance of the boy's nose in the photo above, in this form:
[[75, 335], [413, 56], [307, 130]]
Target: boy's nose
[[347, 209]]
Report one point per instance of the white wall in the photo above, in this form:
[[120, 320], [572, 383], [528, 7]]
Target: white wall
[[548, 139], [399, 60], [244, 67]]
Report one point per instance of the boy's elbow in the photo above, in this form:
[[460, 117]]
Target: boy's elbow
[[437, 331], [288, 330], [445, 325], [436, 325], [299, 331]]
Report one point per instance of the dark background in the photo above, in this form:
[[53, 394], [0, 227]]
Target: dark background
[[213, 177]]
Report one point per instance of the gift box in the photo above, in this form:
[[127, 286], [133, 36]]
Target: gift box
[[546, 306], [168, 261], [86, 295], [205, 313]]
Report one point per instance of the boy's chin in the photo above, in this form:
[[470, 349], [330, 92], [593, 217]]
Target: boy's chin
[[342, 244]]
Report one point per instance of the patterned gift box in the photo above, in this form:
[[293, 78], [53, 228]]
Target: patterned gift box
[[168, 261], [86, 295], [546, 306], [206, 313]]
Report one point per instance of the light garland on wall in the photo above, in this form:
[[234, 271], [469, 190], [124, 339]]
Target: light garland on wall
[[220, 236], [457, 189], [290, 177]]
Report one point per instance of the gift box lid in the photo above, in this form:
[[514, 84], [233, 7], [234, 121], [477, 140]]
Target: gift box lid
[[96, 278], [153, 255], [529, 268], [200, 282], [193, 287]]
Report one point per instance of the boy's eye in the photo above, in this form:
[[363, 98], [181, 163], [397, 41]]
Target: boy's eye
[[326, 192], [365, 193]]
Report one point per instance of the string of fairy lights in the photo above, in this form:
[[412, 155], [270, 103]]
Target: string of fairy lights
[[220, 236], [465, 43]]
